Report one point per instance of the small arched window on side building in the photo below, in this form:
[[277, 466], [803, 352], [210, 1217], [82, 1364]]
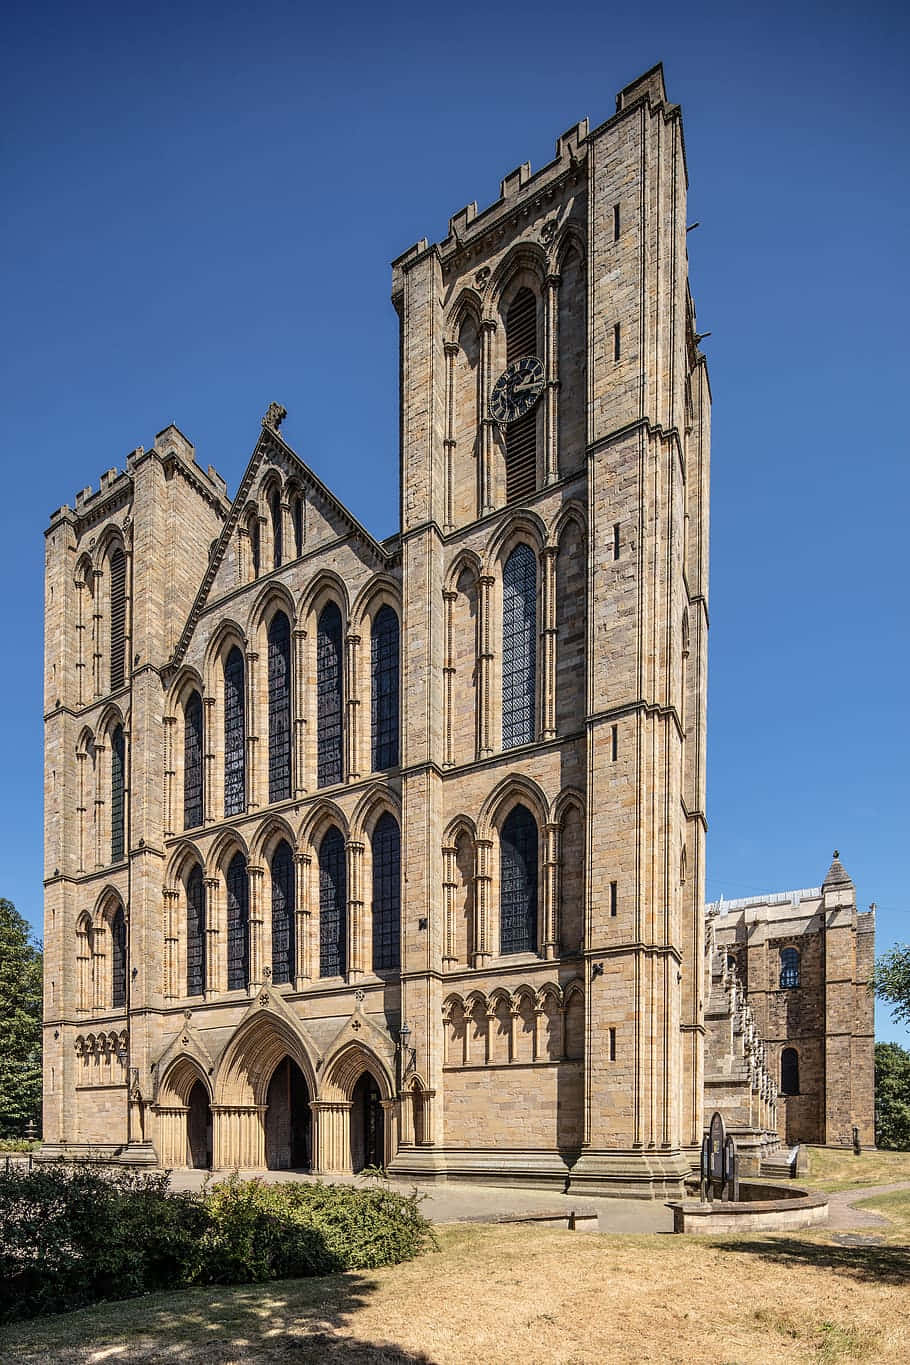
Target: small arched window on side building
[[518, 883], [789, 968], [789, 1071]]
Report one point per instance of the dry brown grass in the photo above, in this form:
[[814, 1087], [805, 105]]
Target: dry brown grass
[[839, 1169], [541, 1296]]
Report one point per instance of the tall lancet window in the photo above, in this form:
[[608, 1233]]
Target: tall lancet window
[[518, 883], [282, 914], [519, 646], [521, 435], [234, 735], [386, 851], [195, 932], [328, 695], [238, 924], [192, 761], [118, 771], [279, 707], [384, 663], [275, 510], [333, 895], [117, 568], [118, 961]]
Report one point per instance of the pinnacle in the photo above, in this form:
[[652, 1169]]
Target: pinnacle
[[837, 874]]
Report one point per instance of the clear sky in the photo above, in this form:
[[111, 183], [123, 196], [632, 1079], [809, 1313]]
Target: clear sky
[[201, 204]]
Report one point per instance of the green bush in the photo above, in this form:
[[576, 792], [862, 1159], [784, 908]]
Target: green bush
[[18, 1145], [74, 1234]]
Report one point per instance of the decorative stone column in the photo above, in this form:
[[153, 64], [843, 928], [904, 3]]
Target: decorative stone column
[[171, 1135], [80, 641], [171, 941], [288, 542], [252, 730], [548, 645], [451, 349], [539, 1025], [483, 853], [99, 966], [299, 700], [97, 635], [256, 875], [356, 947], [170, 773], [331, 1136], [551, 444], [302, 934], [390, 1138], [487, 423], [82, 808], [102, 778], [238, 1136], [449, 891], [489, 1023], [485, 585], [212, 886], [208, 759], [550, 944], [244, 555], [429, 1128], [352, 693], [127, 599], [448, 676]]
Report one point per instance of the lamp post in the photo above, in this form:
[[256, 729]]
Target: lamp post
[[407, 1055]]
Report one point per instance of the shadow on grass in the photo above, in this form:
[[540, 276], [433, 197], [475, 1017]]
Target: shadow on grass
[[877, 1264]]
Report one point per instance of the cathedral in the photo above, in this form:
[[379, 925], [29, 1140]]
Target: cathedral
[[391, 853]]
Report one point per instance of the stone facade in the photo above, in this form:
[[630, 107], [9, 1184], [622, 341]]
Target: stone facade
[[274, 934], [804, 960]]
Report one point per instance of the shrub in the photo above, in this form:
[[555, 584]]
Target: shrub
[[74, 1234]]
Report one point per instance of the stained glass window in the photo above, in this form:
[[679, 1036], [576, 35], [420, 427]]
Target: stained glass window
[[238, 920], [234, 735], [297, 515], [117, 564], [118, 764], [192, 762], [386, 849], [789, 1071], [328, 696], [275, 509], [518, 883], [282, 914], [789, 968], [333, 892], [519, 646], [384, 646], [521, 435], [195, 932], [118, 961], [279, 708], [254, 543]]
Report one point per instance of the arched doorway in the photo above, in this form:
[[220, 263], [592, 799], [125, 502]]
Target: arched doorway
[[367, 1125], [287, 1119], [199, 1128]]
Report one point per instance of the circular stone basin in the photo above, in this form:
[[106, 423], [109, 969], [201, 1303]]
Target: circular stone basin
[[761, 1207]]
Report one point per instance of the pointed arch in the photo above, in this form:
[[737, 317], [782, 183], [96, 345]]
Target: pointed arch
[[513, 789], [342, 1070], [468, 304], [258, 1044], [180, 1074], [269, 833]]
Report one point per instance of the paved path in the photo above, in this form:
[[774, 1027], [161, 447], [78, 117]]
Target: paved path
[[841, 1211]]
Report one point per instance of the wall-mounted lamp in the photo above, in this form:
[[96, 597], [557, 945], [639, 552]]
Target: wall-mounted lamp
[[407, 1055]]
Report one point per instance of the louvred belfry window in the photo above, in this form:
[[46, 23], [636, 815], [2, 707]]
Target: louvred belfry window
[[118, 961], [332, 904], [117, 565], [195, 933], [518, 883], [384, 664], [521, 435], [192, 762], [279, 708], [519, 646], [238, 920], [234, 735], [386, 851], [282, 914], [118, 765], [328, 696]]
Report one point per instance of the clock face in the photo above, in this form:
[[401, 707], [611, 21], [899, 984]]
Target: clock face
[[517, 389]]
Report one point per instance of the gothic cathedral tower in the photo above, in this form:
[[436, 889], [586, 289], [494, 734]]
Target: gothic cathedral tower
[[554, 527]]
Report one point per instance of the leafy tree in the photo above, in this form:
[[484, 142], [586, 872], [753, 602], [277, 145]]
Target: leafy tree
[[892, 1097], [891, 980], [20, 1024]]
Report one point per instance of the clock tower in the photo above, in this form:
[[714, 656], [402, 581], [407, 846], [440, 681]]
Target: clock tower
[[554, 522]]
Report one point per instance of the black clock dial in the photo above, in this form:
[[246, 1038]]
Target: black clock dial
[[517, 389]]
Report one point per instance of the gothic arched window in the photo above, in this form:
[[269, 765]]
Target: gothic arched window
[[789, 1071], [279, 707], [386, 850], [118, 766], [521, 435], [789, 968], [519, 646], [518, 883], [384, 666], [275, 510], [282, 914], [117, 568], [234, 735], [238, 921], [192, 761], [84, 963], [297, 518], [328, 696], [118, 960], [195, 933], [253, 532], [333, 894]]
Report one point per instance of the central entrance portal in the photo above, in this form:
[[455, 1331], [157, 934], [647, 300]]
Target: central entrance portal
[[287, 1119], [367, 1125]]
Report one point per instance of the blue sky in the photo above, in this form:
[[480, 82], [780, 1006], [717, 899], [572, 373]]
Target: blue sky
[[202, 202]]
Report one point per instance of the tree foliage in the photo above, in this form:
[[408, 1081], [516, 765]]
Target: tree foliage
[[891, 980], [20, 1024], [892, 1097]]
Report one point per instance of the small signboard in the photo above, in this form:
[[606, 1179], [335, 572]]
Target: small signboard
[[716, 1138]]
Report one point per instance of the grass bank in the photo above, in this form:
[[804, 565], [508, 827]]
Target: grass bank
[[837, 1168]]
